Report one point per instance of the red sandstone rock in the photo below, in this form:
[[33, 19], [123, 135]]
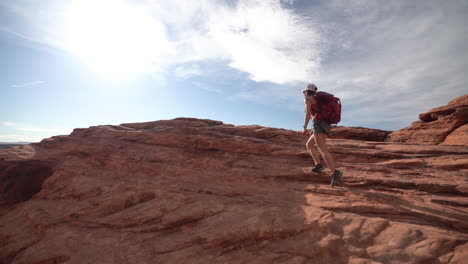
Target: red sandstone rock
[[200, 191], [435, 125], [359, 133], [458, 137]]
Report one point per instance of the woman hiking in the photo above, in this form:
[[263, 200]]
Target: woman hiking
[[321, 130]]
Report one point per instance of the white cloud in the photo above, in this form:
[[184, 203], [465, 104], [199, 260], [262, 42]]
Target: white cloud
[[207, 88], [186, 71], [28, 128], [20, 138], [9, 124], [28, 133], [265, 39], [27, 84]]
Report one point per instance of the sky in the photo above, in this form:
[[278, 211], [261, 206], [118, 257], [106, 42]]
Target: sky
[[68, 64]]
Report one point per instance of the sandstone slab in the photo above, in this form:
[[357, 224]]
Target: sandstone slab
[[359, 133], [458, 137]]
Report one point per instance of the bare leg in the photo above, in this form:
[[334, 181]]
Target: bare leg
[[313, 152], [321, 139]]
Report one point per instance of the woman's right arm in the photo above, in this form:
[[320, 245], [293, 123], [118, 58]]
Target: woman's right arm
[[307, 105]]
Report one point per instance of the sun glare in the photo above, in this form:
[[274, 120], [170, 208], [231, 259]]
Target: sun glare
[[115, 38]]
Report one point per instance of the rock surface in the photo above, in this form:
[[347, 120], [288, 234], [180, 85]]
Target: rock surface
[[200, 191], [458, 137], [359, 133], [437, 124]]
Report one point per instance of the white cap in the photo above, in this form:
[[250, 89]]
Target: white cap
[[310, 87]]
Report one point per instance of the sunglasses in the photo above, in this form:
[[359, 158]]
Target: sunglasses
[[309, 92]]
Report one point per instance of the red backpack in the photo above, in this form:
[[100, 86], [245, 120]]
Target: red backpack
[[330, 107]]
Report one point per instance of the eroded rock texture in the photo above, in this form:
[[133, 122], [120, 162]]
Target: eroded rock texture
[[200, 191], [437, 126], [359, 133]]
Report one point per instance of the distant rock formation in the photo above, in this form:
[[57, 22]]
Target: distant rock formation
[[359, 133], [12, 144], [438, 125], [200, 191]]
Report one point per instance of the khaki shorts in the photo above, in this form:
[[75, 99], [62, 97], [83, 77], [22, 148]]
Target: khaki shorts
[[321, 127]]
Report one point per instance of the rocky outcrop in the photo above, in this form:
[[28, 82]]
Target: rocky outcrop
[[359, 133], [200, 191], [458, 137], [19, 181], [437, 125]]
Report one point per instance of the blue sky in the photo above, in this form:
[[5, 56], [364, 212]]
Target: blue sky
[[78, 63]]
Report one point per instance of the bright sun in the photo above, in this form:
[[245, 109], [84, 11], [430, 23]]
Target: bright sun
[[114, 37]]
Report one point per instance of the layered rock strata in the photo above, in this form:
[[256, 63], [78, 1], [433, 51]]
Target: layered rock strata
[[200, 191], [359, 133]]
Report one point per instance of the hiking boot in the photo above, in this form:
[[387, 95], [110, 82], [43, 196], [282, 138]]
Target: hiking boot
[[336, 177], [317, 168]]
